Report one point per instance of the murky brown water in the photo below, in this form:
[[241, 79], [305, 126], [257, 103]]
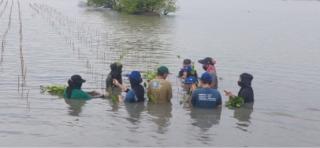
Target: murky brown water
[[277, 41]]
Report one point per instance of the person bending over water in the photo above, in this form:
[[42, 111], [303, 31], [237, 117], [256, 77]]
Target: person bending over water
[[205, 96], [159, 89], [246, 91], [208, 64], [136, 93], [74, 91]]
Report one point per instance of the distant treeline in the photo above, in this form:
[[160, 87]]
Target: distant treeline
[[161, 7]]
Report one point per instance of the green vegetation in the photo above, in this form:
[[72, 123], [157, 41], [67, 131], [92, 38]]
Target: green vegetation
[[152, 98], [114, 98], [55, 90], [150, 75], [235, 102], [161, 7]]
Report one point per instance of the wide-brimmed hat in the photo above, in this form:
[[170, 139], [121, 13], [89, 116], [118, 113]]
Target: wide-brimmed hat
[[207, 60], [77, 78]]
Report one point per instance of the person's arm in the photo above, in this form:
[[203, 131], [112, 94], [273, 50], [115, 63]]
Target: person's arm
[[140, 94], [196, 75], [219, 101], [149, 92], [246, 94], [169, 92], [94, 95], [229, 93], [123, 87], [194, 97], [184, 75], [193, 87], [180, 73]]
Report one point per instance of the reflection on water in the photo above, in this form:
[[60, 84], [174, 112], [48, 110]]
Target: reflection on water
[[205, 118], [161, 115], [75, 106], [243, 115], [134, 110], [66, 39], [144, 45]]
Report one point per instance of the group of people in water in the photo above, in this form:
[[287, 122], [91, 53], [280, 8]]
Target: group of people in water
[[203, 90]]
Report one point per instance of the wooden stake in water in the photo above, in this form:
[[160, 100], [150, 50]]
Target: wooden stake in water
[[18, 83], [28, 102]]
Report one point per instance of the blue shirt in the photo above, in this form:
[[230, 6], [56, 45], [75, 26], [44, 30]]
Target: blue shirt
[[135, 95], [206, 98]]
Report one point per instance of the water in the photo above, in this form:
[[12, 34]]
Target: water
[[277, 41]]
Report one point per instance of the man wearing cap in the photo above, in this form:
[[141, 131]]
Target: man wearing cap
[[208, 64], [205, 96], [159, 89]]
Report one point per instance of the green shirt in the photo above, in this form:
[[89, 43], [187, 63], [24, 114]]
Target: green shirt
[[159, 91], [77, 94]]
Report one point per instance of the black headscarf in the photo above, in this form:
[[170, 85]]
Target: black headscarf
[[75, 82], [245, 80], [135, 82], [246, 91], [116, 73]]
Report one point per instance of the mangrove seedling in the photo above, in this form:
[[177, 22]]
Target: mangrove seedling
[[55, 90], [234, 102], [150, 75]]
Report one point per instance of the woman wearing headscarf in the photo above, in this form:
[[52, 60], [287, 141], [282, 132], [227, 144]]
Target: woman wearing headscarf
[[246, 91], [136, 93], [74, 90]]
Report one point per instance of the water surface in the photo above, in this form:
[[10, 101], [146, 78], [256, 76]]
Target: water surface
[[277, 41]]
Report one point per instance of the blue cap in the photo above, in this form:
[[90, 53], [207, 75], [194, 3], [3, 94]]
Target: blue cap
[[135, 76], [206, 77], [190, 80]]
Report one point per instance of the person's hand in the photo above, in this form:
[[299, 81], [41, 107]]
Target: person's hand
[[115, 82], [228, 93], [94, 93], [120, 98], [184, 75], [124, 88], [193, 87]]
